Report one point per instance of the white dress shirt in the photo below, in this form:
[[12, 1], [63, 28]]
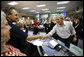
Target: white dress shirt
[[63, 31]]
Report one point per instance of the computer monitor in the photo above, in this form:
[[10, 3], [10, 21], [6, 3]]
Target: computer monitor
[[44, 16]]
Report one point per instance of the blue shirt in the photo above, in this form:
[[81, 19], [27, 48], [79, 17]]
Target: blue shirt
[[17, 36]]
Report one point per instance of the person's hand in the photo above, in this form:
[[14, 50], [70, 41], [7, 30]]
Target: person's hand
[[74, 39], [45, 55], [42, 36]]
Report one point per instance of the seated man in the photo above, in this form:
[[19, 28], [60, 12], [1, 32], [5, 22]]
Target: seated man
[[18, 38]]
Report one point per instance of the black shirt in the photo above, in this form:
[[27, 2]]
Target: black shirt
[[17, 36]]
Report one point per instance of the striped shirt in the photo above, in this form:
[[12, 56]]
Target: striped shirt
[[13, 51]]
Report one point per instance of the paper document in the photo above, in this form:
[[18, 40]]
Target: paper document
[[53, 42], [38, 43]]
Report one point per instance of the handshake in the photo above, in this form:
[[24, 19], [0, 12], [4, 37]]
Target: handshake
[[42, 36]]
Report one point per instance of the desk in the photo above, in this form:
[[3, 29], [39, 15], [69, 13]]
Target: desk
[[58, 51], [51, 51]]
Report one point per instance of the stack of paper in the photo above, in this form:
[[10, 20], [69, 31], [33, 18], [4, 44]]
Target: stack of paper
[[53, 42], [38, 43]]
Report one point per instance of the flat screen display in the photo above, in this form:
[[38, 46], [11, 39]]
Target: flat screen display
[[43, 15], [37, 15], [64, 14]]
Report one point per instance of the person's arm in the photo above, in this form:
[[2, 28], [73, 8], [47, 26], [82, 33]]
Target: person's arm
[[44, 36], [73, 32], [36, 37], [33, 37], [50, 33], [74, 38]]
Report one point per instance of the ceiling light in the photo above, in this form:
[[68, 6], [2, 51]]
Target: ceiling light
[[59, 10], [43, 5], [13, 3], [63, 2], [36, 12], [45, 9], [32, 10], [61, 7], [25, 8]]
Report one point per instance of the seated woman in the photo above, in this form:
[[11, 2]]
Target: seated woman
[[7, 49]]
